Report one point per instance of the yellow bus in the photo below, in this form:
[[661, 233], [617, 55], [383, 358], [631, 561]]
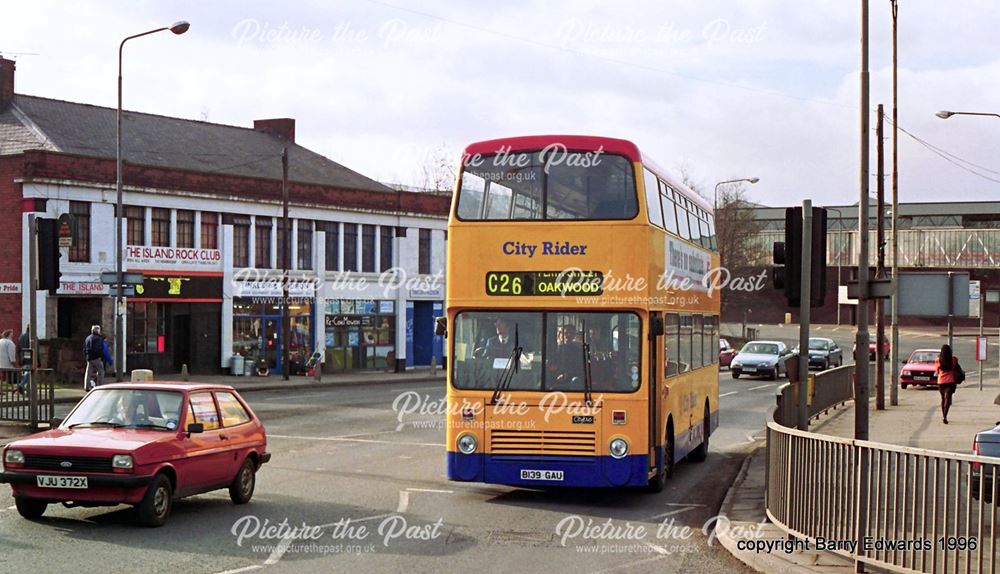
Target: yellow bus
[[582, 332]]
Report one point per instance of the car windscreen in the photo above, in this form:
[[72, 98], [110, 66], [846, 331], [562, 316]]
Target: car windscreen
[[818, 345], [145, 408], [924, 357], [760, 349]]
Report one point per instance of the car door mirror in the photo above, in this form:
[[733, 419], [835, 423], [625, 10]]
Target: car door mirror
[[195, 428]]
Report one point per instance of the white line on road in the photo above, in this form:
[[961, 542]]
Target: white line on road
[[348, 439], [761, 387], [244, 569], [431, 490], [658, 549], [404, 502], [727, 394]]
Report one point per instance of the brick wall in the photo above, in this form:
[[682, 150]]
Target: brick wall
[[10, 240], [45, 164]]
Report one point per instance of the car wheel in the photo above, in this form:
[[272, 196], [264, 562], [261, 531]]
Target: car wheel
[[736, 374], [904, 385], [241, 490], [774, 373], [30, 508], [156, 504]]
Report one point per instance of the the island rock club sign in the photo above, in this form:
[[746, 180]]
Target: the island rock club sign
[[139, 257]]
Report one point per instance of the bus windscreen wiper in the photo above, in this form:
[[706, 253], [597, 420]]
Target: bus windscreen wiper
[[588, 382], [509, 370]]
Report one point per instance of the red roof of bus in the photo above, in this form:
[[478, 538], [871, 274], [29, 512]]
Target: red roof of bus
[[576, 143]]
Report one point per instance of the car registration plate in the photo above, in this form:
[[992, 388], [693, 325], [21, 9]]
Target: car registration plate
[[921, 378], [750, 369], [62, 481], [527, 474]]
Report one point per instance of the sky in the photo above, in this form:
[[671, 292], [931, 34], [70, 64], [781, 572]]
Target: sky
[[720, 90]]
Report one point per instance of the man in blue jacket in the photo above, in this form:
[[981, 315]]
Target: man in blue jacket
[[93, 350]]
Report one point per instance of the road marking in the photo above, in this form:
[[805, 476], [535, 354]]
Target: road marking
[[658, 549], [404, 502], [683, 508], [348, 439], [244, 569], [431, 490], [727, 394], [761, 387]]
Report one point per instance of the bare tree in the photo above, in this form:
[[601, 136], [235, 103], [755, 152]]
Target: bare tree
[[741, 252], [439, 170]]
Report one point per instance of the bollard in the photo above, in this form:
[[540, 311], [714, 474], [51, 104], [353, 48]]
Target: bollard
[[184, 372]]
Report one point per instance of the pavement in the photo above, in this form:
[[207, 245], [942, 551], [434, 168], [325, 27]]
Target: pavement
[[915, 422]]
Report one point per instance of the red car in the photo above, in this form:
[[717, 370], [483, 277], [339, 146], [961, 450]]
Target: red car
[[871, 348], [726, 353], [140, 444], [919, 369]]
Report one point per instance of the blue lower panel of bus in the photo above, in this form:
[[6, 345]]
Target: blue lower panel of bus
[[520, 470]]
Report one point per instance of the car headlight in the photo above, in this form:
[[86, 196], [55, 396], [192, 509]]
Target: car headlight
[[618, 448], [906, 373], [122, 462], [467, 443], [13, 456]]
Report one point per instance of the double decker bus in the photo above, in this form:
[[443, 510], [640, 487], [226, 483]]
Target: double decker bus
[[582, 335]]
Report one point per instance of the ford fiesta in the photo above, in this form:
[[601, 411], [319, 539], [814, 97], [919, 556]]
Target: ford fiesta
[[140, 444]]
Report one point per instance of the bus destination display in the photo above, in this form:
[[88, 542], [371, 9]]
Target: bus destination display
[[544, 283]]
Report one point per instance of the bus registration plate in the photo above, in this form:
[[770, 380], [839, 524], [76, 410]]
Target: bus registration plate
[[541, 474]]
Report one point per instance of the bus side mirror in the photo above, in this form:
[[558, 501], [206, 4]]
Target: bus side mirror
[[441, 326], [656, 327]]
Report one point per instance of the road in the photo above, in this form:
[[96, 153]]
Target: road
[[340, 454]]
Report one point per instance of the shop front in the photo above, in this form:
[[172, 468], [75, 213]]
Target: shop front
[[360, 334], [258, 337]]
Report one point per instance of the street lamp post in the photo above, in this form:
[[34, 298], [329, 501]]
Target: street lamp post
[[945, 114], [715, 202], [176, 28]]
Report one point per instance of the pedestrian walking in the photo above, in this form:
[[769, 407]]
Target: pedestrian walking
[[106, 353], [947, 368], [23, 344], [93, 350], [8, 356]]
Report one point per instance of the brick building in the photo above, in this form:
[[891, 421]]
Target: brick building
[[202, 223]]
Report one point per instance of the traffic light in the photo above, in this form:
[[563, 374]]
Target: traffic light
[[48, 255], [787, 256]]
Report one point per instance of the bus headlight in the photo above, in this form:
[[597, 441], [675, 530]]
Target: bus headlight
[[467, 443], [618, 448]]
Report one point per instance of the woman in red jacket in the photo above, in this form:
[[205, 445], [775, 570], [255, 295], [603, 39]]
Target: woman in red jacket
[[946, 365]]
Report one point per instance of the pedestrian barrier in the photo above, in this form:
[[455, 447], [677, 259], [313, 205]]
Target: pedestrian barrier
[[27, 400], [892, 507]]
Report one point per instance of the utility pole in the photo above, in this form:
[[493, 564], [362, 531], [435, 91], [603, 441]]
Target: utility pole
[[286, 248], [880, 262], [805, 304], [894, 347], [861, 340]]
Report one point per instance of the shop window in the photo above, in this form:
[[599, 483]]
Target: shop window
[[81, 247], [161, 227], [209, 230], [136, 226], [368, 248], [262, 243], [360, 334], [146, 328], [185, 228], [350, 247]]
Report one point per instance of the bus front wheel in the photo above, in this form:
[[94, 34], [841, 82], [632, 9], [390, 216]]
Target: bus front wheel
[[659, 482], [700, 453]]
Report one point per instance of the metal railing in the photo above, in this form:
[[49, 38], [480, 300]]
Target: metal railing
[[831, 388], [27, 396], [899, 508]]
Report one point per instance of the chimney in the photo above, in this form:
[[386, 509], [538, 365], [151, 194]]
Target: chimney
[[283, 128], [6, 82]]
